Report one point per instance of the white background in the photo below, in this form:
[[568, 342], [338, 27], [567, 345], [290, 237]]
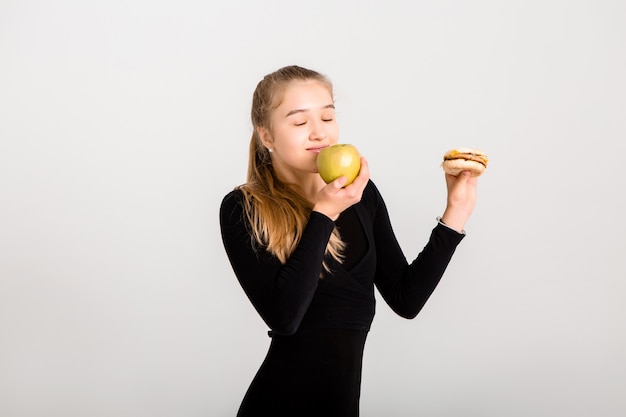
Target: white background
[[124, 123]]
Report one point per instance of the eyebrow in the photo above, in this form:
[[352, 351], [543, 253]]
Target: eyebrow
[[292, 112]]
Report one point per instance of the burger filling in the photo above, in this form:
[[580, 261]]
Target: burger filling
[[482, 159]]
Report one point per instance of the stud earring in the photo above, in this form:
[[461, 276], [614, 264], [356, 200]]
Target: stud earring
[[270, 150]]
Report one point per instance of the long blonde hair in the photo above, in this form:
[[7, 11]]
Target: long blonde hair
[[277, 213]]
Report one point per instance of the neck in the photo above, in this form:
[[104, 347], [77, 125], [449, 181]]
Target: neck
[[307, 184], [312, 188]]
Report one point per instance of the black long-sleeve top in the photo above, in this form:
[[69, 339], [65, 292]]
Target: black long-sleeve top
[[292, 295]]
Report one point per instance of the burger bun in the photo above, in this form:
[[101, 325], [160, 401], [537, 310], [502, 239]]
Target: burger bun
[[456, 166], [457, 160]]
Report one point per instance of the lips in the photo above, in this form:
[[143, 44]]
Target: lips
[[316, 149]]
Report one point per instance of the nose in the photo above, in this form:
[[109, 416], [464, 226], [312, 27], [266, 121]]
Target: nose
[[317, 131]]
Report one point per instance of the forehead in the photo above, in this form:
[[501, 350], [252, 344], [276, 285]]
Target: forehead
[[305, 94]]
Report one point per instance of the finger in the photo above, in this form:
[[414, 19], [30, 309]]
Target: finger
[[360, 182], [462, 178], [453, 181], [364, 165], [450, 179], [466, 179], [364, 172], [338, 183], [457, 182]]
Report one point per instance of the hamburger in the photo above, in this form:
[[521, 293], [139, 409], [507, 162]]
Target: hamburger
[[458, 160]]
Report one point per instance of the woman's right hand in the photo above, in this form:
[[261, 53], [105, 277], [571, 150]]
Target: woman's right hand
[[334, 198]]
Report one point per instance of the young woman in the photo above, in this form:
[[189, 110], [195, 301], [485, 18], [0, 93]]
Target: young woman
[[308, 254]]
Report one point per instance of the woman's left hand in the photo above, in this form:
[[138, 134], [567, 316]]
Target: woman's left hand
[[334, 198], [461, 199]]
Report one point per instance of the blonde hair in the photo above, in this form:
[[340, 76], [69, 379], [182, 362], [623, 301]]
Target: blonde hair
[[277, 213]]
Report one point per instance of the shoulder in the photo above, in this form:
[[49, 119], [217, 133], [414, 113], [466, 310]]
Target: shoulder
[[234, 197], [371, 196], [231, 208]]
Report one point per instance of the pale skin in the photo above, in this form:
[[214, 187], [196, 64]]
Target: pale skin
[[303, 124]]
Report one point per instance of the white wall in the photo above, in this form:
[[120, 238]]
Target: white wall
[[123, 123]]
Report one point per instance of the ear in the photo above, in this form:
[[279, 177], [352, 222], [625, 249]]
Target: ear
[[265, 136]]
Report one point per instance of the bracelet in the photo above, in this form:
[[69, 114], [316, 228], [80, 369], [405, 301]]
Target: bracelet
[[451, 228]]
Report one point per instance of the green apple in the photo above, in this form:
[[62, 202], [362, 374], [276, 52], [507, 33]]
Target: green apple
[[337, 160]]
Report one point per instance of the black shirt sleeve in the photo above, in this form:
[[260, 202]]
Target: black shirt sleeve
[[281, 293], [404, 286]]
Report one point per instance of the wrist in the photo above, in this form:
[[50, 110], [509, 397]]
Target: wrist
[[332, 217], [453, 220]]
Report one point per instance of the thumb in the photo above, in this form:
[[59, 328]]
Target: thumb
[[339, 182], [465, 175], [458, 181]]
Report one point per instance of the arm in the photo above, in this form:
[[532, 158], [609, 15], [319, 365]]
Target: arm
[[280, 293], [406, 287], [461, 199]]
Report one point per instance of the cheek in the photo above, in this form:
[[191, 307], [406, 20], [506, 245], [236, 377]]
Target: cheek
[[335, 131], [286, 138], [280, 133]]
